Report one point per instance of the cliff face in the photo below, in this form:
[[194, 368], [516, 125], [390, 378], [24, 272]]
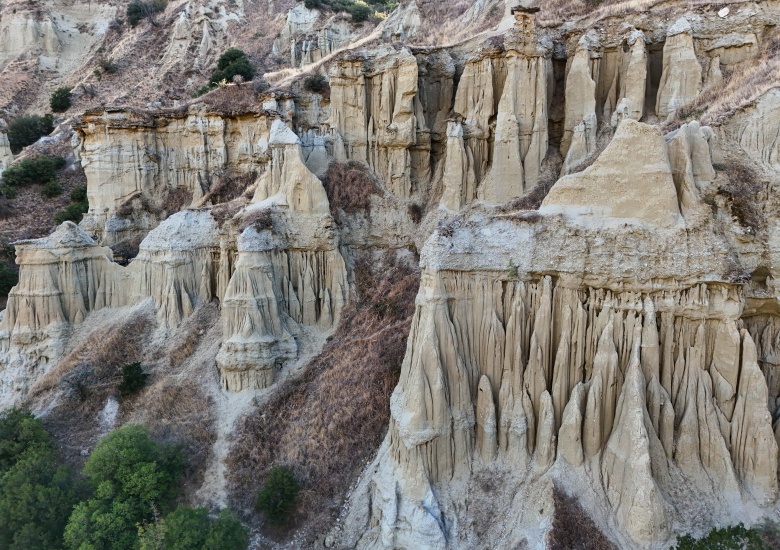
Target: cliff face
[[597, 310], [606, 353]]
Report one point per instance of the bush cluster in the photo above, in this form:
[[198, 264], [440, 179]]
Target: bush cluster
[[316, 83], [60, 99], [36, 491], [42, 170], [133, 379], [137, 10], [358, 10], [27, 129], [76, 209], [233, 62], [130, 483], [277, 497], [737, 537]]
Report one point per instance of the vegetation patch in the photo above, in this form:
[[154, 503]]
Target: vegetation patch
[[277, 497], [77, 207], [60, 99], [357, 9], [27, 129], [133, 379], [349, 186], [29, 171], [138, 11], [736, 537], [572, 527]]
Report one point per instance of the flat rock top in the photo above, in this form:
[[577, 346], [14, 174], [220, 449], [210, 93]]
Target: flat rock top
[[67, 235]]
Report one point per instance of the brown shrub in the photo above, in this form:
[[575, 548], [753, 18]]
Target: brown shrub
[[745, 192], [326, 424], [231, 100], [227, 185], [261, 219], [531, 200], [572, 528], [176, 199], [349, 186]]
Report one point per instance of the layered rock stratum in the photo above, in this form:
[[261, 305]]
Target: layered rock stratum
[[592, 208]]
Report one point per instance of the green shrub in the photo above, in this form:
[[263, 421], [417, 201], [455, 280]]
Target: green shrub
[[132, 477], [138, 11], [60, 99], [133, 379], [28, 129], [52, 189], [42, 169], [735, 537], [73, 213], [277, 497], [231, 63], [108, 65], [360, 12], [193, 529], [316, 83], [79, 194], [9, 277]]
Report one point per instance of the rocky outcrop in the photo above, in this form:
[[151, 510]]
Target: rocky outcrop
[[521, 130], [580, 123], [289, 274], [62, 278], [375, 120], [625, 182], [582, 353], [138, 161], [682, 74]]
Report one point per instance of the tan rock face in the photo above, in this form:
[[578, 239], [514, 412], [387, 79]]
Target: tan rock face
[[682, 73], [126, 156], [628, 181], [373, 115]]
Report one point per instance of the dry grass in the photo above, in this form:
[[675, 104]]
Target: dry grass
[[572, 528], [191, 333], [227, 185], [327, 424], [176, 199], [85, 379], [232, 99], [349, 186], [261, 219]]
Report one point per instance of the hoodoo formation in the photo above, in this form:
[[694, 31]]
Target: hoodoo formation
[[477, 274]]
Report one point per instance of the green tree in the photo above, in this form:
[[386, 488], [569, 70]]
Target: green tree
[[277, 497], [231, 63], [138, 11], [27, 129], [60, 99], [132, 476], [20, 432], [133, 379], [37, 492], [193, 529]]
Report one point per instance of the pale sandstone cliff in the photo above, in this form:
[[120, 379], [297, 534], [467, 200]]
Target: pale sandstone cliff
[[610, 341]]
